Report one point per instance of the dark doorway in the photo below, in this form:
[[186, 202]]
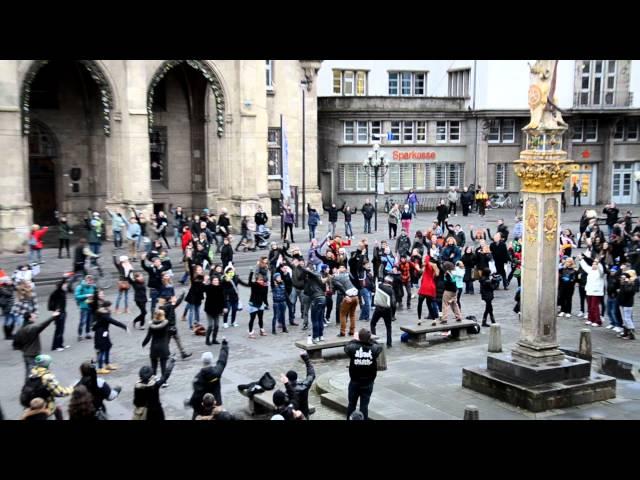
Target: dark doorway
[[43, 189]]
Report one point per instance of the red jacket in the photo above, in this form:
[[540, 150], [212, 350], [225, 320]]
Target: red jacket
[[186, 239], [38, 234], [427, 283]]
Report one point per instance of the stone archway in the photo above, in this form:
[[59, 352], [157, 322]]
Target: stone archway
[[43, 172]]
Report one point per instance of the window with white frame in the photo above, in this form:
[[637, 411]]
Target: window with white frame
[[269, 68], [454, 131], [401, 176], [455, 174], [337, 82], [420, 174], [362, 132], [627, 130], [347, 83], [585, 131], [396, 126], [597, 82], [408, 83], [407, 132], [349, 132], [459, 83], [501, 176], [502, 130], [354, 177], [441, 132], [421, 131], [394, 177], [361, 83], [441, 175], [376, 130]]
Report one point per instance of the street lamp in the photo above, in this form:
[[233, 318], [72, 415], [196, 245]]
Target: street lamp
[[377, 162]]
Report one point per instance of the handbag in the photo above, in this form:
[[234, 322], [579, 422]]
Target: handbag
[[267, 381], [476, 274], [123, 285]]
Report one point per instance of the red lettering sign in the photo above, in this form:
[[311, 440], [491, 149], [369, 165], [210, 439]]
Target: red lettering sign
[[398, 155]]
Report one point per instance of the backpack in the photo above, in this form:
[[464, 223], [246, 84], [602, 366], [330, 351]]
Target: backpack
[[199, 330], [381, 298], [33, 388], [267, 382]]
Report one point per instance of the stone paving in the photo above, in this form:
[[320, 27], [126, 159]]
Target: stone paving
[[419, 383]]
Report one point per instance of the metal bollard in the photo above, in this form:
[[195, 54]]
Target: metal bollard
[[471, 413]]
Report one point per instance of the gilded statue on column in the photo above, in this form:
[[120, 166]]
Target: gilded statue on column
[[545, 114]]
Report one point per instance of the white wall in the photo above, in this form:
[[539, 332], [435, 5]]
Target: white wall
[[634, 85]]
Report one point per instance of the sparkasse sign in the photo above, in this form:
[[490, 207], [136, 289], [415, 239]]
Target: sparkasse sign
[[398, 155]]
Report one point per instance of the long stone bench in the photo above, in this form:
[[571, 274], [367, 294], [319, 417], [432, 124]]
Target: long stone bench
[[418, 333], [315, 350], [262, 403]]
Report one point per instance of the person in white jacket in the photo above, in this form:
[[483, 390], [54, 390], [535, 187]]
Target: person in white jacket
[[594, 290]]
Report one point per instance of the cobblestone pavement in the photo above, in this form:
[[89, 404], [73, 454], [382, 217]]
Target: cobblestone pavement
[[249, 359]]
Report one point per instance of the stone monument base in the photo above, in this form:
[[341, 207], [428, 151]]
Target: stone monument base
[[539, 387]]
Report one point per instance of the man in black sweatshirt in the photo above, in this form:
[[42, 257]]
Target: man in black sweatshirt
[[367, 212], [208, 379], [363, 368], [385, 306], [155, 278], [298, 392], [333, 216], [500, 256], [170, 304]]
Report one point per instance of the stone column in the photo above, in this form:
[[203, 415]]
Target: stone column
[[313, 196], [15, 208], [542, 174]]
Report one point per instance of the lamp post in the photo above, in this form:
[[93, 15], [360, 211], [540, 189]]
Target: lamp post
[[377, 162]]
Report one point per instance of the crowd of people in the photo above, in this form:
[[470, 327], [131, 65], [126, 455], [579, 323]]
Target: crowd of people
[[435, 265]]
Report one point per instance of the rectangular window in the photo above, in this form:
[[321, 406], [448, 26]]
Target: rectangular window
[[421, 132], [406, 176], [454, 175], [501, 170], [441, 132], [269, 67], [376, 131], [337, 82], [578, 130], [459, 83], [349, 132], [395, 131], [508, 131], [494, 131], [591, 130], [631, 130], [454, 131], [597, 82], [273, 136], [363, 132], [348, 83], [420, 176], [619, 134], [274, 163], [349, 176], [419, 83], [394, 177], [407, 132], [441, 175], [393, 83], [406, 84], [361, 83]]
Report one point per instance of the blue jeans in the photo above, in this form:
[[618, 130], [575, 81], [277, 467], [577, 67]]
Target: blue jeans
[[278, 315], [297, 295], [103, 357], [348, 231], [176, 236], [33, 253], [185, 277], [95, 248], [412, 209], [155, 294], [232, 307], [194, 311], [117, 238], [367, 225], [85, 319], [121, 294], [614, 312], [317, 316], [9, 320], [291, 312], [312, 232], [360, 391], [365, 310]]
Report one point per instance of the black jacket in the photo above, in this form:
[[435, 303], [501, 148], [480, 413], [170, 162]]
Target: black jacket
[[313, 287], [170, 311], [625, 295], [612, 215], [155, 275], [208, 381], [499, 252], [443, 212], [368, 210], [260, 218], [57, 301], [101, 327], [333, 212], [486, 289], [363, 366], [139, 289], [503, 230], [214, 304], [259, 293], [158, 334], [226, 255], [466, 198], [28, 337], [347, 216], [148, 394], [298, 392]]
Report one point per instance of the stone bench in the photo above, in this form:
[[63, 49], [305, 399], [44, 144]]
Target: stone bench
[[315, 350], [418, 333], [262, 403]]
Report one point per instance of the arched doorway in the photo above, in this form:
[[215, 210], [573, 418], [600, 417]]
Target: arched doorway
[[66, 115], [42, 173], [186, 116]]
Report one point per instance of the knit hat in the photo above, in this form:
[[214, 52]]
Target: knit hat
[[145, 373], [279, 398], [324, 266], [228, 268], [276, 275], [207, 358], [292, 376], [43, 361]]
